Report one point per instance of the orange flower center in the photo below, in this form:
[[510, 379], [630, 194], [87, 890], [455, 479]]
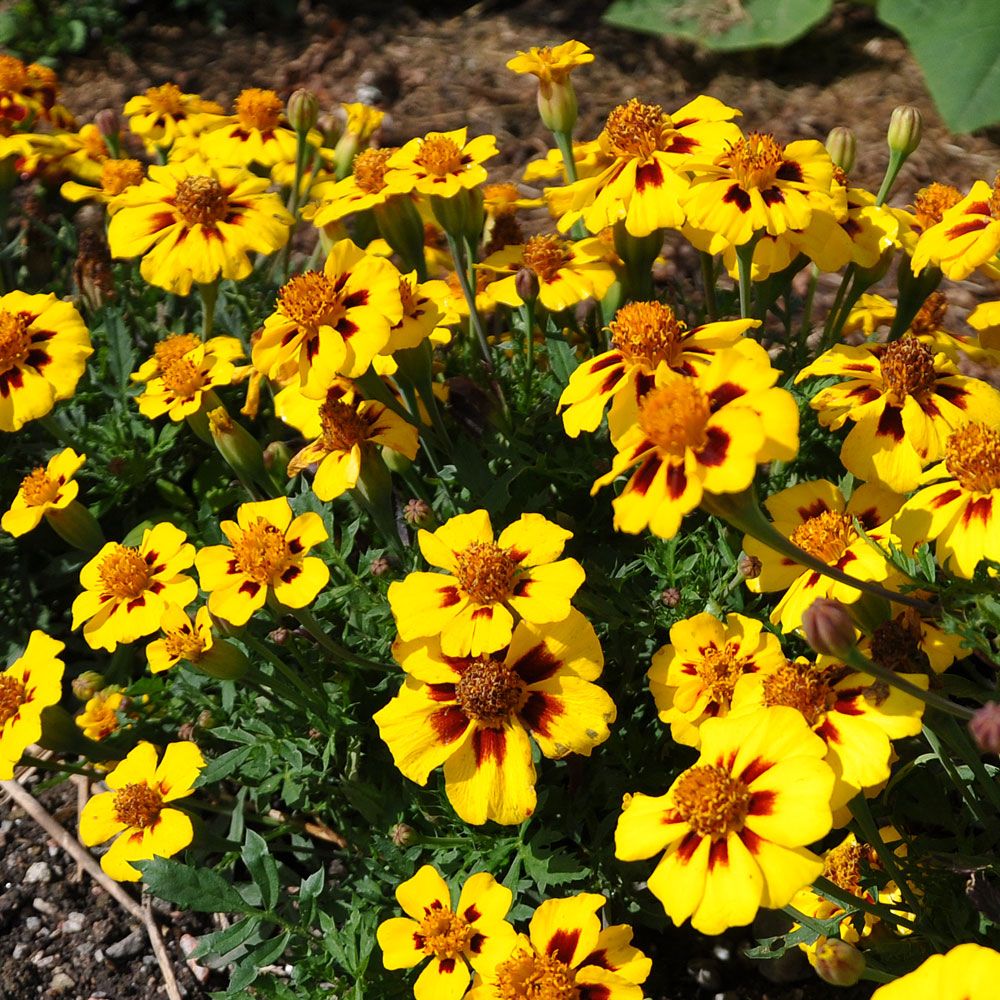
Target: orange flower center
[[719, 670], [711, 801], [842, 866], [173, 347], [896, 644], [38, 488], [674, 416], [755, 160], [408, 296], [12, 694], [930, 317], [137, 805], [13, 75], [930, 204], [124, 573], [800, 686], [501, 199], [995, 197], [445, 934], [369, 169], [343, 426], [15, 339], [310, 301], [972, 456], [439, 156], [183, 378], [546, 256], [636, 129], [530, 976], [485, 572], [489, 691], [184, 644], [907, 369], [647, 332], [201, 200], [166, 100], [262, 552], [116, 175], [258, 109], [825, 536]]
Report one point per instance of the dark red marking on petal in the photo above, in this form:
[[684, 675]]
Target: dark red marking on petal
[[814, 509], [449, 596], [718, 854], [599, 957], [13, 378], [682, 144], [969, 226], [890, 424], [828, 731], [449, 724], [249, 587], [946, 498], [522, 587], [688, 846], [160, 221], [955, 394], [295, 545], [981, 507], [649, 174], [762, 803], [716, 447], [852, 227], [355, 299], [789, 171], [772, 196], [644, 382], [537, 664], [645, 474], [676, 481], [863, 393], [154, 587], [441, 692], [136, 602], [848, 701], [37, 359], [562, 944], [291, 573], [738, 197], [476, 942], [611, 380], [869, 518], [725, 393], [539, 710], [751, 841], [605, 361], [484, 612], [418, 941], [593, 991], [447, 966], [487, 743], [346, 328], [755, 769], [471, 914]]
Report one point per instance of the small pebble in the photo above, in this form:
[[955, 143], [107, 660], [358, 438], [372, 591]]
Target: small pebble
[[44, 962], [31, 924], [705, 972], [20, 950], [61, 983], [723, 953], [39, 873], [127, 947], [73, 923], [43, 906], [99, 955]]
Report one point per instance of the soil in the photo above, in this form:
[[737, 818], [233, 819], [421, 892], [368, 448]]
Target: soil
[[440, 69]]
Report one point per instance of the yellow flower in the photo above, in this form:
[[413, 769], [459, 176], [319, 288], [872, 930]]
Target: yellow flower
[[735, 825], [472, 605], [967, 972], [28, 686], [700, 434], [474, 714], [127, 588], [644, 335], [182, 639], [692, 679], [43, 491], [115, 177], [551, 64], [160, 114], [255, 132], [474, 931], [331, 322], [99, 718], [567, 955], [425, 315], [194, 221], [183, 383], [174, 346], [907, 641], [363, 189], [135, 811], [267, 553], [44, 346], [440, 164]]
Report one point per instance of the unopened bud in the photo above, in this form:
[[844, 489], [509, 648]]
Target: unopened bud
[[279, 636], [87, 685], [108, 123], [558, 108], [418, 514], [236, 445], [205, 720], [837, 962], [906, 126], [671, 597], [828, 627], [276, 457], [380, 566], [749, 566], [302, 110], [984, 727], [402, 834], [526, 284], [842, 147]]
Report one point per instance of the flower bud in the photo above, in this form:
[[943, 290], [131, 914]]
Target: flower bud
[[108, 123], [906, 126], [302, 110], [380, 566], [205, 720], [671, 597], [402, 835], [526, 284], [280, 635], [236, 445], [836, 962], [87, 685], [75, 525], [984, 727], [829, 628], [276, 457], [223, 661], [842, 147], [418, 514], [749, 566], [558, 107]]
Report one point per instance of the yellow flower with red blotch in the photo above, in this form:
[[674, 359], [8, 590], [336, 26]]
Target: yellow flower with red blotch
[[267, 554], [644, 335], [734, 827], [27, 687], [440, 164], [909, 640], [195, 221], [693, 677], [855, 716], [351, 430], [99, 718], [255, 133], [967, 972], [362, 189], [698, 434], [475, 713], [425, 315], [126, 588], [332, 322], [650, 151], [904, 401], [115, 177], [161, 114], [43, 491], [44, 346], [471, 606], [568, 954], [183, 639], [136, 812], [186, 384], [473, 932], [958, 506], [815, 517], [174, 346]]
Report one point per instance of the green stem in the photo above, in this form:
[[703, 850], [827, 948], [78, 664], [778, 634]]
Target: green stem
[[49, 423], [957, 739], [744, 265], [313, 626], [896, 160], [45, 764], [468, 292], [301, 149], [708, 280], [286, 672], [565, 143], [528, 318], [209, 296]]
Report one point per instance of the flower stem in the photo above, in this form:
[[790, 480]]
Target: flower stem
[[313, 626], [708, 280], [744, 265], [286, 672], [209, 295]]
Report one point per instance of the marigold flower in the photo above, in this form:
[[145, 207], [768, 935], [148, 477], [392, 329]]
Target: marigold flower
[[255, 132], [644, 335], [693, 677], [126, 588], [160, 114], [909, 641], [472, 605], [194, 221], [334, 321], [267, 553], [115, 177], [186, 383], [363, 189], [474, 714], [44, 346], [472, 933], [967, 972], [174, 346], [735, 825], [28, 686], [816, 518], [904, 400], [99, 718], [183, 639], [43, 490], [136, 812], [440, 164], [552, 65], [699, 434], [568, 956], [425, 315]]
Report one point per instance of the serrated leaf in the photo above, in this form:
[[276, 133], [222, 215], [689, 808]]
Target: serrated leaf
[[311, 887], [263, 870], [223, 942], [562, 359], [201, 889], [121, 353]]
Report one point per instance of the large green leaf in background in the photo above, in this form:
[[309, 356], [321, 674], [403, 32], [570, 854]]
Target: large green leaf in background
[[957, 43], [722, 24]]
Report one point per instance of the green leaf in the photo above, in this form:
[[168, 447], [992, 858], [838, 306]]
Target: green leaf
[[958, 48], [198, 889], [263, 870], [121, 353], [562, 358], [223, 942], [721, 24]]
